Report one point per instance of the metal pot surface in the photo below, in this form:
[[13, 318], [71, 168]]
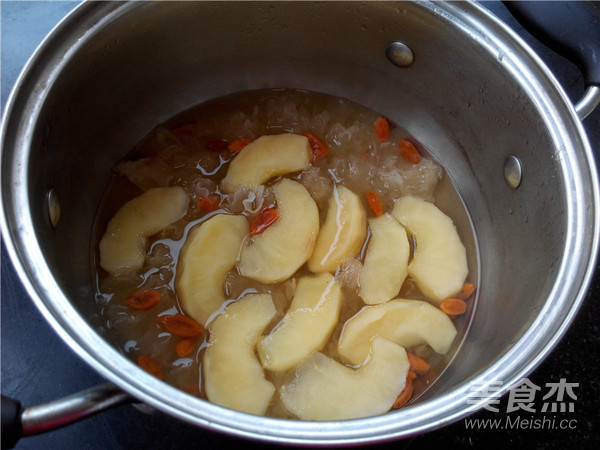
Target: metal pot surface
[[489, 111]]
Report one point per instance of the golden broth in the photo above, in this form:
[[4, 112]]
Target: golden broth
[[175, 153]]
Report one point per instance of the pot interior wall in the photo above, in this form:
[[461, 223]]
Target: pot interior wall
[[154, 60]]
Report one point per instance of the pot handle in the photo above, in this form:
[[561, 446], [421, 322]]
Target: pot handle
[[18, 422], [571, 29]]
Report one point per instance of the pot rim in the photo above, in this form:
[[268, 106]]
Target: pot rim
[[529, 351]]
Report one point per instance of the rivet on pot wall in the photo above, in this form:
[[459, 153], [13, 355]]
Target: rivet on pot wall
[[513, 172], [53, 207], [400, 54]]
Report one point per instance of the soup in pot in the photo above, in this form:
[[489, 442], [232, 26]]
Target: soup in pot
[[284, 253]]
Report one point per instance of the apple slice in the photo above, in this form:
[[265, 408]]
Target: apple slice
[[404, 322], [210, 251], [275, 254], [265, 158], [343, 232], [324, 389], [386, 262], [306, 325], [123, 245], [439, 265], [233, 376]]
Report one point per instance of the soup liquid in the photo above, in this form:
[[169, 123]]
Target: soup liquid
[[191, 151]]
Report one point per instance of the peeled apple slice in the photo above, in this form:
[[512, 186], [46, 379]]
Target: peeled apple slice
[[306, 325], [386, 263], [275, 254], [439, 265], [233, 377], [343, 232], [265, 158], [210, 251], [123, 245], [324, 389], [405, 322]]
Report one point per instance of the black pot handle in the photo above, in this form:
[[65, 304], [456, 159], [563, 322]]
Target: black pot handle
[[571, 29], [18, 422], [12, 429]]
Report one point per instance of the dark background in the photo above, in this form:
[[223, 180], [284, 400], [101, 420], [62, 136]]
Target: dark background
[[37, 366]]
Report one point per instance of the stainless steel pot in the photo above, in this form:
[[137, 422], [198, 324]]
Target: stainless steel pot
[[475, 95]]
